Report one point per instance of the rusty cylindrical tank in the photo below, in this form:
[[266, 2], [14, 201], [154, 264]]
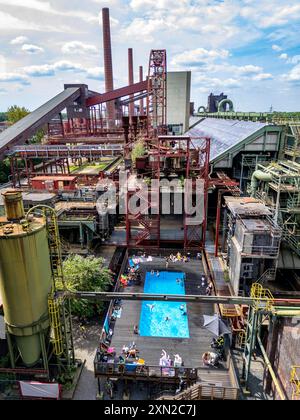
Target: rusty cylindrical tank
[[25, 278]]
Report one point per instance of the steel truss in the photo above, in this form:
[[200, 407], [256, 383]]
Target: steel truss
[[157, 94], [193, 155]]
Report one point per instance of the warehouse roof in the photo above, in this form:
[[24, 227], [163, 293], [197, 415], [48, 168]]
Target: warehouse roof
[[246, 206], [224, 134]]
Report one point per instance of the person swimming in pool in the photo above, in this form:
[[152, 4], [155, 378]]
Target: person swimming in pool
[[151, 306], [167, 319], [182, 308]]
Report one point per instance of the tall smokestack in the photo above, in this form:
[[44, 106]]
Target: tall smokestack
[[142, 100], [108, 67], [130, 80]]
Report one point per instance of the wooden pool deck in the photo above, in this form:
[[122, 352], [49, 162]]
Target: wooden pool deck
[[191, 349]]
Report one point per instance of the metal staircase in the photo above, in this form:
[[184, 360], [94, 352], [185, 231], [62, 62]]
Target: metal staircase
[[202, 391], [268, 275]]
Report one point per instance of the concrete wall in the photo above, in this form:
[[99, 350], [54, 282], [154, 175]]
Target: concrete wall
[[235, 266], [284, 351], [179, 97]]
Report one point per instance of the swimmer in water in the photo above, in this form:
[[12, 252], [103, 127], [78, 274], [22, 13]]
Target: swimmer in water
[[151, 306], [167, 318]]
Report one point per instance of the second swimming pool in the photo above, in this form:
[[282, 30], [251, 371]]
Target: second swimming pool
[[164, 319]]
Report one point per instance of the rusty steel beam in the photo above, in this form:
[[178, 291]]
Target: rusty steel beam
[[142, 111], [118, 93], [130, 81]]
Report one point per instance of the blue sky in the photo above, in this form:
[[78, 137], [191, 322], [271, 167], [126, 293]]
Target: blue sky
[[249, 49]]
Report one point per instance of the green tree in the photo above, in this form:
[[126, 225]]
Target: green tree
[[4, 171], [38, 137], [138, 150], [3, 116], [16, 113], [86, 275]]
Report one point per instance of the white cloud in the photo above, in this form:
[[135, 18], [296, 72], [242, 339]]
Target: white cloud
[[45, 7], [248, 70], [40, 71], [14, 77], [32, 49], [78, 47], [49, 70], [283, 56], [276, 48], [217, 83], [290, 60], [294, 60], [293, 75], [263, 76], [19, 40], [2, 64], [145, 29], [281, 15], [142, 5], [270, 13], [45, 70], [199, 57], [11, 23], [96, 73]]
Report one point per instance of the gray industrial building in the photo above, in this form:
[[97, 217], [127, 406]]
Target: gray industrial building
[[178, 103]]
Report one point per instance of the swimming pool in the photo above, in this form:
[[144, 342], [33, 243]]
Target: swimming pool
[[153, 321]]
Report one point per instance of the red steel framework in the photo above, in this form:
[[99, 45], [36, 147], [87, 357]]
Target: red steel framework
[[157, 94], [144, 230]]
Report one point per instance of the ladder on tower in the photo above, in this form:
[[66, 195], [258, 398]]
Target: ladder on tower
[[263, 303], [59, 308]]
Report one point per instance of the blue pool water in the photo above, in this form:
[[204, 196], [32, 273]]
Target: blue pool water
[[153, 322]]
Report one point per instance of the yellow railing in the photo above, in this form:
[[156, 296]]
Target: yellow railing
[[241, 339], [295, 381], [54, 315], [263, 298]]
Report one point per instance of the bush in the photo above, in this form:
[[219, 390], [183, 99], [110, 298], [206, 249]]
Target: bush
[[86, 275]]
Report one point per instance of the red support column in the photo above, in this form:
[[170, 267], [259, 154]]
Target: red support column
[[130, 81], [12, 171], [108, 67], [218, 220], [142, 111]]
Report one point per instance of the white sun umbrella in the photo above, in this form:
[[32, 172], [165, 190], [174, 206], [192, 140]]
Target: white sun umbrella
[[215, 325]]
